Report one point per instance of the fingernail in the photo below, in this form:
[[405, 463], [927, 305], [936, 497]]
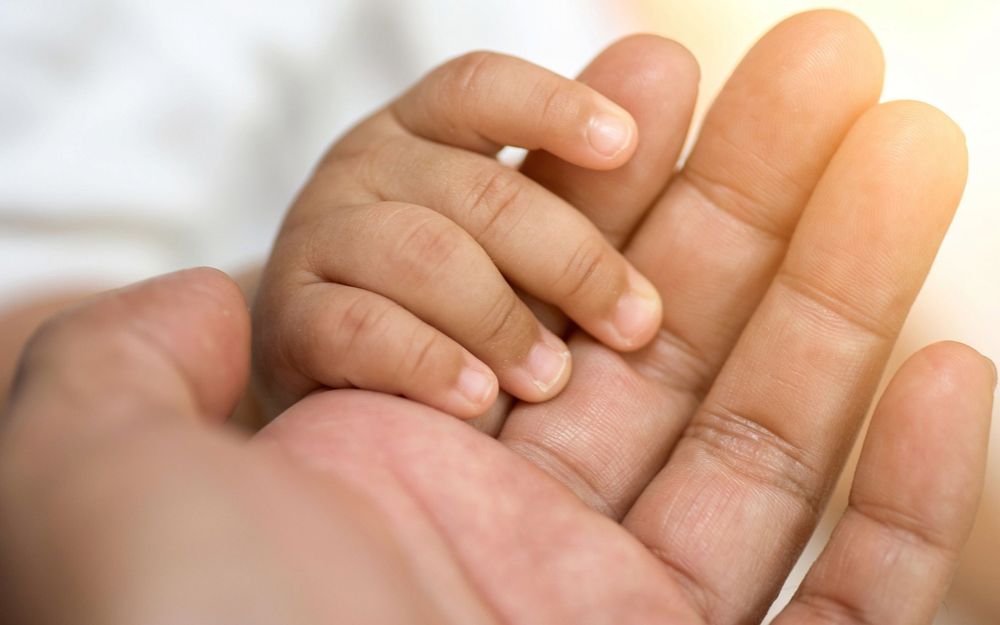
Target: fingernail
[[993, 366], [608, 134], [475, 385], [638, 310], [546, 365]]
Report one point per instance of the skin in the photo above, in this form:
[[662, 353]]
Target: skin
[[423, 221], [674, 484], [360, 507]]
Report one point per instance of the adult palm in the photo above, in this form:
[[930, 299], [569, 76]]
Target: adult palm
[[676, 484], [788, 250]]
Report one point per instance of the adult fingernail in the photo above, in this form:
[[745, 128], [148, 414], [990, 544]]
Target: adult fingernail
[[608, 134], [993, 366], [546, 364], [475, 385], [638, 310]]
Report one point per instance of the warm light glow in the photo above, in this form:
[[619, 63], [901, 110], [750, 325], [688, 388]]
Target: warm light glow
[[947, 54]]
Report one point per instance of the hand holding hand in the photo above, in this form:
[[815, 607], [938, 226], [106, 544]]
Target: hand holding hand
[[677, 483], [391, 270]]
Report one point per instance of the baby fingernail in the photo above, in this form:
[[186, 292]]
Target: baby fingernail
[[638, 309], [546, 364], [475, 385], [608, 134]]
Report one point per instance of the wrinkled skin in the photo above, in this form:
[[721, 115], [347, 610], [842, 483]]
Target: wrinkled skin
[[675, 485]]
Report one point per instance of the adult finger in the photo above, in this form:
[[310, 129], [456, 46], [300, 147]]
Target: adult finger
[[116, 499], [767, 442], [892, 555], [190, 363], [711, 251], [656, 81]]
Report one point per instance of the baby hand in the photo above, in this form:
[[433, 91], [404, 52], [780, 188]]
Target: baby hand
[[396, 266]]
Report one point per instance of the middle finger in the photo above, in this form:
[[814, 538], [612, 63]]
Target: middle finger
[[711, 249]]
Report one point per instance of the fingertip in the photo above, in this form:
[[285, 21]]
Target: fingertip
[[942, 398], [636, 317], [484, 101], [548, 364], [208, 332], [841, 31], [926, 447], [544, 372], [950, 368], [188, 330], [647, 60], [611, 136], [993, 370], [916, 134], [663, 59], [476, 389]]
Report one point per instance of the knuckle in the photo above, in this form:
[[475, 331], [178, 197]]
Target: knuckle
[[748, 204], [500, 322], [837, 307], [423, 345], [831, 609], [906, 526], [427, 245], [361, 321], [753, 453], [467, 73], [674, 361], [307, 244], [560, 100], [494, 199], [368, 168], [461, 81], [582, 270]]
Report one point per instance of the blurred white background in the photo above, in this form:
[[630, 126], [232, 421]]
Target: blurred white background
[[137, 137]]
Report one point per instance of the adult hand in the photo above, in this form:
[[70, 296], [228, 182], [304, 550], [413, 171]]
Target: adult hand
[[122, 502], [788, 250]]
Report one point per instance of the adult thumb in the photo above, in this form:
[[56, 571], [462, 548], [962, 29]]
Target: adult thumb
[[175, 346]]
